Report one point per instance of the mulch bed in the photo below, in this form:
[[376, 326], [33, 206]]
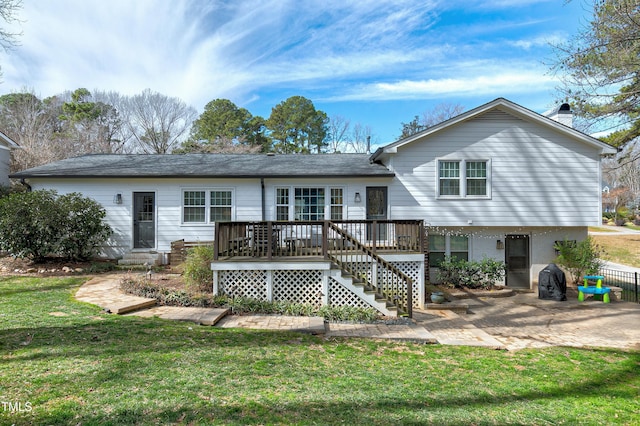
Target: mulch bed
[[19, 266]]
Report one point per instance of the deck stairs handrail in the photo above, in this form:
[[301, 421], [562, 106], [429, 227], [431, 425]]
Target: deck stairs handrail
[[370, 270]]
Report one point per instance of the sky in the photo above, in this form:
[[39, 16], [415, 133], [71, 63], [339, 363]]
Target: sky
[[376, 63]]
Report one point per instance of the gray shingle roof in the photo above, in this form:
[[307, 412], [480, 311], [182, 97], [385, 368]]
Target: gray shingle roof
[[210, 165]]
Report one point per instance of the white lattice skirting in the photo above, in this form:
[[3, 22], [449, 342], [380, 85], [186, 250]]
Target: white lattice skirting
[[307, 282]]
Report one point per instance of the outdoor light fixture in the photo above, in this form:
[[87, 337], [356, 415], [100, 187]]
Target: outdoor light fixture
[[357, 199], [499, 245], [117, 199]]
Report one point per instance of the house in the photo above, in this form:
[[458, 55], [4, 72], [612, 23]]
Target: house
[[498, 181], [6, 145]]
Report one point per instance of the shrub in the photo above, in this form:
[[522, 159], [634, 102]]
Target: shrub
[[39, 224], [141, 286], [471, 274], [582, 258], [101, 267], [197, 268], [82, 229], [348, 313]]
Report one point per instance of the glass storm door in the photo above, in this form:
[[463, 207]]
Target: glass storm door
[[377, 210], [517, 260], [144, 220]]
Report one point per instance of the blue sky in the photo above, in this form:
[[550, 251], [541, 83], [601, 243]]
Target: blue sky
[[377, 63]]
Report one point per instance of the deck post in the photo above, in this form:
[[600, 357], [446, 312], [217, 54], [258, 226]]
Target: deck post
[[325, 288], [269, 283], [216, 282], [269, 240], [325, 239], [216, 240], [374, 235]]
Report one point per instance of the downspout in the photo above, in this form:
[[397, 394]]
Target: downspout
[[24, 182], [264, 206]]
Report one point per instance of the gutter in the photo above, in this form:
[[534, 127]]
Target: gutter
[[24, 182], [263, 202]]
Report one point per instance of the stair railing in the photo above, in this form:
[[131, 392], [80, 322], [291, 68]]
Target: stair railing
[[369, 269]]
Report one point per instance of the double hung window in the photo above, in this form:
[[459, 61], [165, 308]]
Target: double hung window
[[441, 246], [463, 179], [207, 206]]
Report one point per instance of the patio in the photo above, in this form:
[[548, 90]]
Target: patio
[[512, 323]]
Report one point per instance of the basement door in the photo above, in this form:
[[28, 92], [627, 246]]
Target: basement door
[[517, 260], [144, 220]]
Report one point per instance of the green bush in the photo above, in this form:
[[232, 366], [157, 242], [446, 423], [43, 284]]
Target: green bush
[[39, 224], [484, 274], [141, 286], [82, 229], [582, 258], [197, 268]]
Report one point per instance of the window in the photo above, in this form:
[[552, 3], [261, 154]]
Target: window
[[459, 247], [437, 249], [463, 178], [220, 206], [282, 203], [337, 203], [194, 207], [449, 178], [440, 246], [476, 178], [309, 204], [204, 206]]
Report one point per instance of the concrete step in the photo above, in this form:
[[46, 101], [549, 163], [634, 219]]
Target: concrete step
[[448, 306], [140, 258]]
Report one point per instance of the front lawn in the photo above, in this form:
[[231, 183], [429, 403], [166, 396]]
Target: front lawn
[[65, 362]]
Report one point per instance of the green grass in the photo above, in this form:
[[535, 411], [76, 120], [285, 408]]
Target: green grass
[[75, 364]]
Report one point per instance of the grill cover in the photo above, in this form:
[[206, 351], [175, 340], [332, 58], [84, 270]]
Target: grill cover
[[552, 284]]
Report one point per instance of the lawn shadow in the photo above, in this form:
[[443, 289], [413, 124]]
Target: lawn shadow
[[412, 408]]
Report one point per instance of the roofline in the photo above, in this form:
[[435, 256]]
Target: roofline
[[21, 175], [517, 109], [8, 140]]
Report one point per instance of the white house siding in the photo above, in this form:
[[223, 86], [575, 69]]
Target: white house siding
[[351, 186], [168, 197], [539, 177], [5, 158], [482, 243], [543, 184]]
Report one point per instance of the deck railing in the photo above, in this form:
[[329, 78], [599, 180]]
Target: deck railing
[[313, 238], [352, 245]]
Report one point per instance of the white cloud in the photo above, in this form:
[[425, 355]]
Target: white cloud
[[199, 50], [555, 38], [487, 82], [246, 50]]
